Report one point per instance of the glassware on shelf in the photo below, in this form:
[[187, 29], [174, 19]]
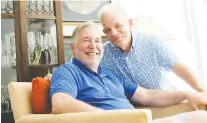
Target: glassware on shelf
[[54, 51], [46, 41], [31, 46], [46, 47], [5, 101], [5, 51], [12, 50], [36, 52]]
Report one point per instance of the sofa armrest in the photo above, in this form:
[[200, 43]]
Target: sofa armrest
[[159, 112], [113, 116]]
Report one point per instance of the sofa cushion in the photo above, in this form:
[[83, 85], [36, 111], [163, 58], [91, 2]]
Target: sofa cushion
[[40, 95]]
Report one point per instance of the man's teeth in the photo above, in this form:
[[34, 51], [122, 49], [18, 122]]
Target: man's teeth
[[92, 54]]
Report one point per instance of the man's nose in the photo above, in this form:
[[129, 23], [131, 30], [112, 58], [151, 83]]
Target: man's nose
[[114, 32], [92, 44]]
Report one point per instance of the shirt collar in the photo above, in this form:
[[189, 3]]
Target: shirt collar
[[79, 64], [133, 39]]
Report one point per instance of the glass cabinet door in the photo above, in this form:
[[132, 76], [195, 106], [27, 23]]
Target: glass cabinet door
[[8, 53], [42, 42], [42, 38]]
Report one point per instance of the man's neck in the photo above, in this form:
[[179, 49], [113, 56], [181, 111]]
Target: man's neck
[[127, 46], [94, 68]]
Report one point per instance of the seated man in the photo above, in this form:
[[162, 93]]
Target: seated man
[[84, 86]]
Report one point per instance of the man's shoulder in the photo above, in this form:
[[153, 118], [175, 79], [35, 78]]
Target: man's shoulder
[[109, 49], [66, 67], [108, 45], [143, 35], [145, 39]]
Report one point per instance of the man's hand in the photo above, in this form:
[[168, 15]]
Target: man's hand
[[199, 89], [196, 99], [48, 77]]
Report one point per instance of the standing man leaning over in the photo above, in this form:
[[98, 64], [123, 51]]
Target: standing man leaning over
[[84, 86], [139, 58]]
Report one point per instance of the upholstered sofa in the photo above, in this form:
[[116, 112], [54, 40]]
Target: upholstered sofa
[[21, 92]]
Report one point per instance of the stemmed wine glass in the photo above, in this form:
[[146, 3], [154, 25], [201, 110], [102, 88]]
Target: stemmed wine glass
[[6, 50], [31, 46], [5, 99], [38, 48], [12, 49], [46, 47]]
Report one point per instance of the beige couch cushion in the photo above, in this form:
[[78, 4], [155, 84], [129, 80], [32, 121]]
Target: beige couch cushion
[[113, 116], [20, 96]]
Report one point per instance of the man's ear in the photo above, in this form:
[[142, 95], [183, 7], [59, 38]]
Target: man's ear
[[131, 23], [72, 46]]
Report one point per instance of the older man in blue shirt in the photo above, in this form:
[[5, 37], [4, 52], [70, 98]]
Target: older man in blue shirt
[[84, 86]]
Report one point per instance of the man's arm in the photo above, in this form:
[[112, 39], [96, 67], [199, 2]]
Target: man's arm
[[184, 73], [64, 103], [165, 98]]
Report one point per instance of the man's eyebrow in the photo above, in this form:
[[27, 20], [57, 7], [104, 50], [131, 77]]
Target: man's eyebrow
[[86, 38], [98, 38], [117, 23]]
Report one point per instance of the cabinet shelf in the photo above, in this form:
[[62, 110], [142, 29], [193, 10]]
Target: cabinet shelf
[[7, 16], [43, 66], [38, 16]]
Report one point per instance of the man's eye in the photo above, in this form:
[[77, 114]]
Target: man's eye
[[85, 40], [106, 30], [118, 26], [97, 41]]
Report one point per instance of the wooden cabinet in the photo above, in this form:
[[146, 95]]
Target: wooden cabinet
[[37, 28], [32, 42]]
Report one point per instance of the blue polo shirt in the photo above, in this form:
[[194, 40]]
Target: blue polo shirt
[[103, 89]]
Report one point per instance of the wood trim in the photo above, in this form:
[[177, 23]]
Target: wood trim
[[7, 16], [43, 66], [18, 43], [39, 16], [60, 41], [23, 30]]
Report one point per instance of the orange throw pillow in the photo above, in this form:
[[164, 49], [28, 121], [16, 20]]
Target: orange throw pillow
[[40, 95]]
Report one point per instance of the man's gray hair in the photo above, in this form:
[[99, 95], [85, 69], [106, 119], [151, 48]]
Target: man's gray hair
[[115, 9], [82, 26]]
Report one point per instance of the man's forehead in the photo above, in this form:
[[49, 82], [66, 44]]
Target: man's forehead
[[89, 32], [91, 37]]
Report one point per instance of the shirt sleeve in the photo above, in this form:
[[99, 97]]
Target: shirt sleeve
[[63, 80], [129, 87], [166, 58]]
